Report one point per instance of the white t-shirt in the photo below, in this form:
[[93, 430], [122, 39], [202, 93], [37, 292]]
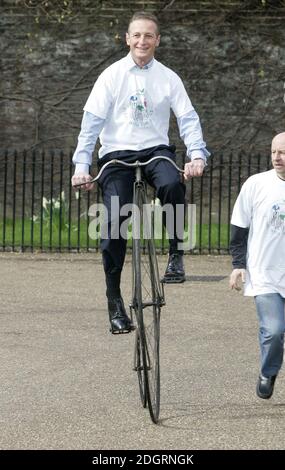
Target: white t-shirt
[[261, 207], [135, 104]]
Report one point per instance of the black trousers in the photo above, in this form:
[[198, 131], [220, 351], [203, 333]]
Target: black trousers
[[119, 180]]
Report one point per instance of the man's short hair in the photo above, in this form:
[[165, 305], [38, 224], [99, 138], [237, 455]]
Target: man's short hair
[[144, 15]]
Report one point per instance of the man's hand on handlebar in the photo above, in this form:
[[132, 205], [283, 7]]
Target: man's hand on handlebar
[[81, 178], [194, 168]]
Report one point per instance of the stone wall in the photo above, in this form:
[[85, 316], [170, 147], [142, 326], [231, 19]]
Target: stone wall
[[230, 56]]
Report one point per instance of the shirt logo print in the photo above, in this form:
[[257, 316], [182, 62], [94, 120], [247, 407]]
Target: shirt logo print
[[140, 109], [277, 217]]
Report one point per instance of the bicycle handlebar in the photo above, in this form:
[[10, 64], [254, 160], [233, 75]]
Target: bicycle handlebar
[[135, 164]]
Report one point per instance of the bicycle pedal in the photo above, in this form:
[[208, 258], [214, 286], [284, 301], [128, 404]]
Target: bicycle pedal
[[122, 332]]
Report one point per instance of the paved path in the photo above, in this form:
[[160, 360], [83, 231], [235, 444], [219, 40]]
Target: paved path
[[66, 383]]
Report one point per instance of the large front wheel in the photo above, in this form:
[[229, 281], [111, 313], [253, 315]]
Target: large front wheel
[[147, 301]]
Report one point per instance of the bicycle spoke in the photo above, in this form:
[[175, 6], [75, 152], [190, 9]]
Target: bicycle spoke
[[138, 367]]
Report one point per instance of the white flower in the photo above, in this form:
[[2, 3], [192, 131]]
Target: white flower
[[45, 202], [155, 202]]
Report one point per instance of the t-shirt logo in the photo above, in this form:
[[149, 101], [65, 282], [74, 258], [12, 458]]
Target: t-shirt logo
[[140, 109], [277, 217]]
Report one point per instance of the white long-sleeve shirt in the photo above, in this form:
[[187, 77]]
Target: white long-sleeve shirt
[[129, 109]]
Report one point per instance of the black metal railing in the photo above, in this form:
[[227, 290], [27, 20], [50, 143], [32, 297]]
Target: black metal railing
[[39, 211]]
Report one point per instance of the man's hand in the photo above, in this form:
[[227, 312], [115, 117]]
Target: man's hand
[[235, 277], [194, 168], [80, 178]]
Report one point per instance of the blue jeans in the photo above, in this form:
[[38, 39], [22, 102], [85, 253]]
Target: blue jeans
[[270, 311]]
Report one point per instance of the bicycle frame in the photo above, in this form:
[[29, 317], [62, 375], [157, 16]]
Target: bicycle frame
[[147, 294]]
